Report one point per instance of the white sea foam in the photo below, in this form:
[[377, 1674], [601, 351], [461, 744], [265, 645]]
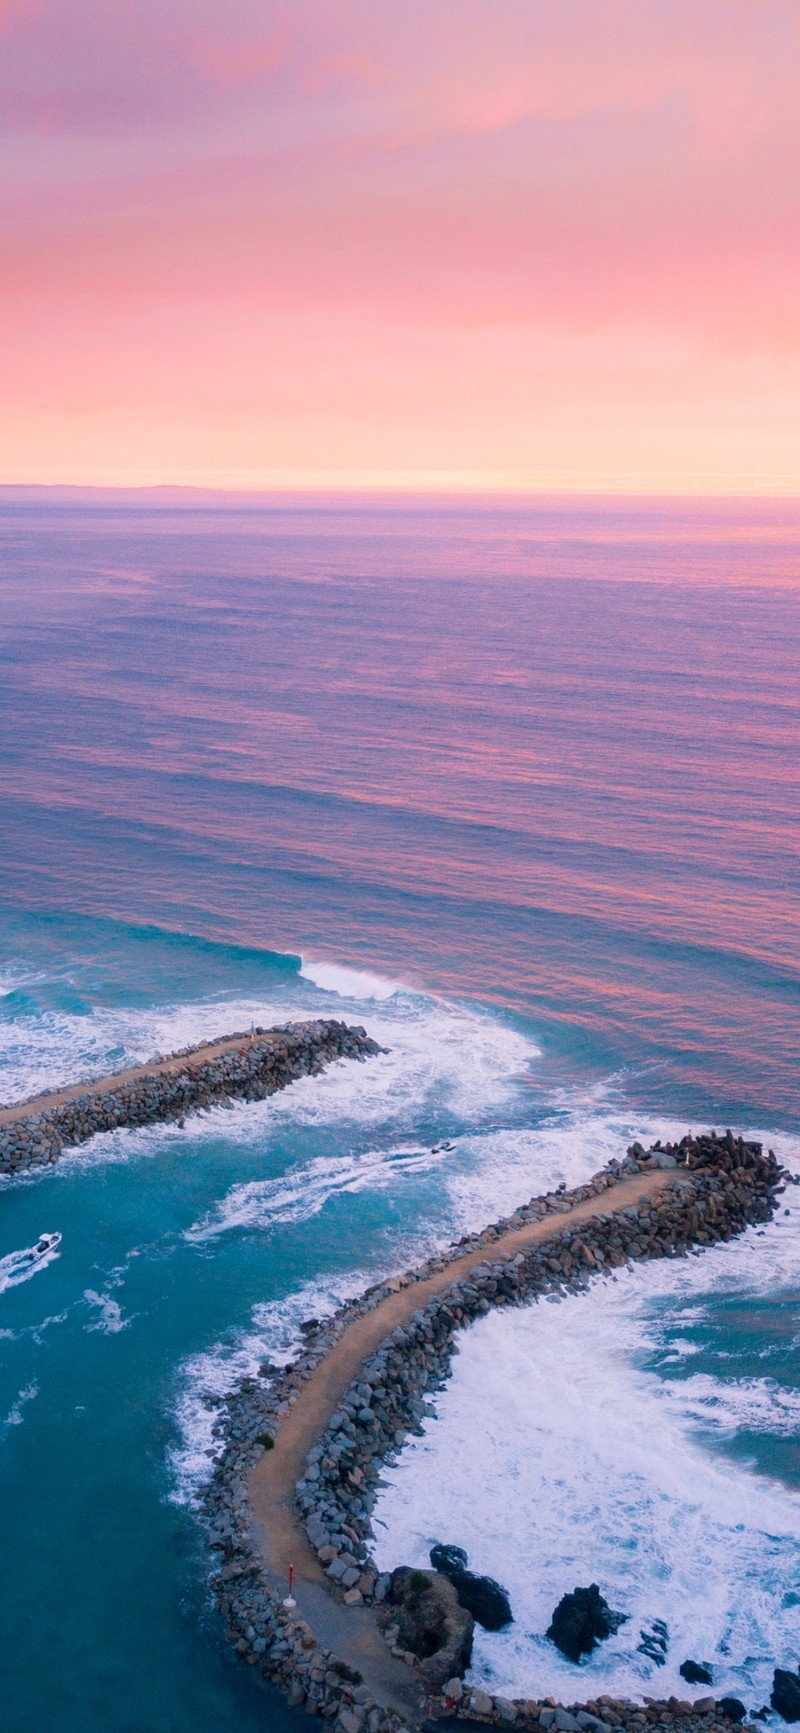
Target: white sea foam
[[57, 1048], [556, 1459], [499, 1169], [15, 1414], [53, 1048], [741, 1405], [353, 984], [442, 1059], [109, 1319]]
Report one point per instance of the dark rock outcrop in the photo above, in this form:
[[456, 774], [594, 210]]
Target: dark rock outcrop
[[695, 1673], [581, 1620], [484, 1598], [431, 1624], [785, 1695], [448, 1558]]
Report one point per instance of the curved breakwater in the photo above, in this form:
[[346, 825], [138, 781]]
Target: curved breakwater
[[242, 1066], [360, 1386]]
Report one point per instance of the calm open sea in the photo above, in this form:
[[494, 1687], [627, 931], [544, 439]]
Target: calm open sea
[[517, 787]]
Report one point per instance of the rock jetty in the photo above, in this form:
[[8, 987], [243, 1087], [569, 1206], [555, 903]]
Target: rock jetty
[[244, 1067], [699, 1192]]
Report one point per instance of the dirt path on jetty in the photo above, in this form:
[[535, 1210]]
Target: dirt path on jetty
[[352, 1632], [114, 1080]]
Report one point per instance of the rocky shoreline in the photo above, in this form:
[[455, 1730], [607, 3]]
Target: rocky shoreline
[[713, 1188], [246, 1067]]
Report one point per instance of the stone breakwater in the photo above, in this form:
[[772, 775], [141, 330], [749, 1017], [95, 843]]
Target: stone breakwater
[[244, 1067], [703, 1190]]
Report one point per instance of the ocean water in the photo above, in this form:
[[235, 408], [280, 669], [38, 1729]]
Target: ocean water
[[517, 788]]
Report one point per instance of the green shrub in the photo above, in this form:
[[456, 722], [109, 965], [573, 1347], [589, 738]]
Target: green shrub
[[350, 1675]]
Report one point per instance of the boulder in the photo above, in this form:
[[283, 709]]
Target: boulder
[[431, 1624], [732, 1708], [485, 1599], [695, 1673], [581, 1620], [785, 1695]]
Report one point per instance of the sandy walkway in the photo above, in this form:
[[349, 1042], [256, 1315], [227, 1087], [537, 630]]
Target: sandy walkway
[[115, 1079], [352, 1632]]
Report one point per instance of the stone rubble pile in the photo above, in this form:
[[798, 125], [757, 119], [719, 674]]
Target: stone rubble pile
[[723, 1185], [248, 1071]]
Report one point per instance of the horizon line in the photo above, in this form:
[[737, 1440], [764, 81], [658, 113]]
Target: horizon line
[[272, 486]]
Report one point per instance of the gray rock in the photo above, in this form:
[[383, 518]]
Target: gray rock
[[431, 1624], [480, 1703]]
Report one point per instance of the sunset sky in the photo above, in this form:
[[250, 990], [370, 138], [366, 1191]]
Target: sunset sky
[[427, 243]]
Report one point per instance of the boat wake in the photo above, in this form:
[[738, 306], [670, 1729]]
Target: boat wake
[[18, 1267]]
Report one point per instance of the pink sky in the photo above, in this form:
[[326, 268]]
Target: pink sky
[[458, 243]]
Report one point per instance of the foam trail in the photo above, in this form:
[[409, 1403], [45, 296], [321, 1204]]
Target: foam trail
[[304, 1192], [17, 1266]]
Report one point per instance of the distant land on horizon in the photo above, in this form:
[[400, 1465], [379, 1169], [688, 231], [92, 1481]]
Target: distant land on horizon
[[189, 494]]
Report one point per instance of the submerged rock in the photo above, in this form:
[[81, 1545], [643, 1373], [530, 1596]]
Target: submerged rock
[[785, 1695], [581, 1620], [484, 1598], [695, 1673], [655, 1643], [431, 1624]]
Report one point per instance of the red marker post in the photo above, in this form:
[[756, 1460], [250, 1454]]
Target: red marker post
[[290, 1600]]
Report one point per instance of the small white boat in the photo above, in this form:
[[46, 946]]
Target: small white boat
[[45, 1243]]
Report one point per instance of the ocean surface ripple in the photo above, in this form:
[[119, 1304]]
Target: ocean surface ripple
[[515, 788]]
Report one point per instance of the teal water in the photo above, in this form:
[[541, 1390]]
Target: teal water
[[518, 791]]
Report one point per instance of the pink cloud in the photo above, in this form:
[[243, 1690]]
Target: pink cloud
[[491, 180]]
